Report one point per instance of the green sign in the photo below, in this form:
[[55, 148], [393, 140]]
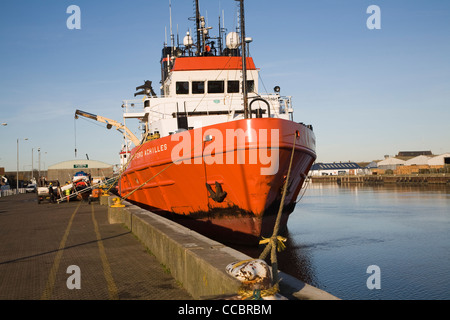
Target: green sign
[[77, 166]]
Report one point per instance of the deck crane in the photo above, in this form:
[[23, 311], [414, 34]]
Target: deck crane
[[109, 124]]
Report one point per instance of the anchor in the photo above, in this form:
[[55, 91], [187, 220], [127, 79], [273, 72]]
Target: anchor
[[219, 195]]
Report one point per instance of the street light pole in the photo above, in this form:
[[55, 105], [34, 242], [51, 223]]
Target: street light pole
[[32, 164], [39, 167], [17, 176], [17, 180]]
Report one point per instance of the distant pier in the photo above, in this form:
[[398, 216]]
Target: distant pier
[[423, 179]]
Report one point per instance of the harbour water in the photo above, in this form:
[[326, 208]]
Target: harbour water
[[337, 231]]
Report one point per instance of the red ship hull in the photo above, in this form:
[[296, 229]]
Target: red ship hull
[[224, 180]]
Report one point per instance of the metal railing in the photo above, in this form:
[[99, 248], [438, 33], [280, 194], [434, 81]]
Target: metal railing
[[11, 192], [163, 107]]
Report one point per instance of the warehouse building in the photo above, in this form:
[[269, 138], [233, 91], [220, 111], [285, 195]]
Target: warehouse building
[[334, 169], [441, 160], [390, 163], [411, 154], [417, 161], [64, 171]]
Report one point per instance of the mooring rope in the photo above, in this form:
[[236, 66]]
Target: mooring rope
[[275, 242], [257, 294], [305, 188], [122, 170]]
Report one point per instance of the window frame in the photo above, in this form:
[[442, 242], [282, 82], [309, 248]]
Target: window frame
[[177, 88], [216, 81], [238, 86], [198, 81], [251, 86]]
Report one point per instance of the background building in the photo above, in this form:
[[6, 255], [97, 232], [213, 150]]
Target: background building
[[64, 171], [441, 160], [417, 161], [411, 154], [414, 162], [334, 169], [390, 163]]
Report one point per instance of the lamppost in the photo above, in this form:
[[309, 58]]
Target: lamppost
[[41, 180], [32, 165], [39, 167], [17, 180]]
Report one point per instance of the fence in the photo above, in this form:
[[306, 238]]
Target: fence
[[10, 192]]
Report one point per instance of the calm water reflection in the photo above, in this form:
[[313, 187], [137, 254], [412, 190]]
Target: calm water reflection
[[336, 232]]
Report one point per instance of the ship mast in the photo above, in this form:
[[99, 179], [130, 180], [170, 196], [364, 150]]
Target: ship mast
[[202, 42], [197, 23], [244, 61]]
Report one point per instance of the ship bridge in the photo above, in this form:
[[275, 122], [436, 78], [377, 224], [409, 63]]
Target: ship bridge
[[164, 116]]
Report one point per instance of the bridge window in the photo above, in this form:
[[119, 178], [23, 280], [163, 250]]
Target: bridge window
[[250, 86], [182, 87], [233, 86], [216, 87], [198, 87]]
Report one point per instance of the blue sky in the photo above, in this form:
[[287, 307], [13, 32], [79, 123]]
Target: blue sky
[[366, 92]]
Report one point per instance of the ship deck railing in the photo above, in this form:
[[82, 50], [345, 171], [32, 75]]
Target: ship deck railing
[[166, 107]]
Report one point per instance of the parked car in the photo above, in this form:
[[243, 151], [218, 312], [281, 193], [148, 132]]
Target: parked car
[[30, 188]]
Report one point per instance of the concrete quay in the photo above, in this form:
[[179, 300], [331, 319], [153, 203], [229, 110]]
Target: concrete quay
[[81, 251], [195, 261], [41, 245]]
